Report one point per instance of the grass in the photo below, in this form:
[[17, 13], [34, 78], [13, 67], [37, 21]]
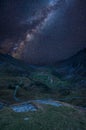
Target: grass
[[51, 118], [56, 89], [12, 80], [51, 83], [45, 84], [48, 79]]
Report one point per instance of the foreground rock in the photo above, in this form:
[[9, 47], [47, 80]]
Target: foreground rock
[[24, 107], [1, 105]]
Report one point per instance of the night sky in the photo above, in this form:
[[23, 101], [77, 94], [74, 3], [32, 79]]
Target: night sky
[[42, 31]]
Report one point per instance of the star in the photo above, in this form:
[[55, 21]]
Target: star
[[37, 22]]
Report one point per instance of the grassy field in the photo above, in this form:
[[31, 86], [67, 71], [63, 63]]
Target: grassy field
[[50, 118]]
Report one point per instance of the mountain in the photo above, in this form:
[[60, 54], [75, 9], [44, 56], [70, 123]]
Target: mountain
[[64, 81], [10, 65], [72, 67], [79, 58], [24, 86]]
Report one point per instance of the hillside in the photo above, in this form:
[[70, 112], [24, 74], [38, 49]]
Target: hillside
[[39, 97], [50, 118], [64, 81]]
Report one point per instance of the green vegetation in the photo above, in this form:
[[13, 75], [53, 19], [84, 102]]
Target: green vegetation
[[51, 118], [41, 85], [20, 82], [48, 79]]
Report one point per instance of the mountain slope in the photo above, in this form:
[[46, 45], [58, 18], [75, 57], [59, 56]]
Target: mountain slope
[[65, 81], [10, 65]]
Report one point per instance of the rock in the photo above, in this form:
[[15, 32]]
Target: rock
[[26, 118], [1, 105], [24, 107]]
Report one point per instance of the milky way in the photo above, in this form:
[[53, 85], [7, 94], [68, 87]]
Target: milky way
[[36, 24], [42, 31]]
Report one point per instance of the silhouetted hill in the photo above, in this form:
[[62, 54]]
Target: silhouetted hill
[[74, 65], [8, 64], [75, 60]]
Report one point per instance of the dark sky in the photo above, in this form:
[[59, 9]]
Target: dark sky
[[42, 31]]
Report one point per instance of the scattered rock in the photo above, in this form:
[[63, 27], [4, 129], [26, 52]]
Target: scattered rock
[[1, 105], [26, 118], [34, 105], [24, 107]]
